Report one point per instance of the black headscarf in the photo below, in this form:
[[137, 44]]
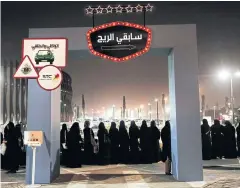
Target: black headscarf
[[143, 126], [205, 126], [113, 125], [122, 127], [75, 129], [114, 134], [124, 138]]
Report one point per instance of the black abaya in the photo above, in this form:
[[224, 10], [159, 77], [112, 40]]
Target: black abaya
[[155, 146], [238, 139], [166, 140], [145, 144], [230, 150], [206, 142], [217, 140], [124, 146], [134, 144], [103, 139], [74, 149], [88, 147], [114, 148], [13, 151]]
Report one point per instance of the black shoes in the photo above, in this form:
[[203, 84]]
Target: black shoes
[[169, 173]]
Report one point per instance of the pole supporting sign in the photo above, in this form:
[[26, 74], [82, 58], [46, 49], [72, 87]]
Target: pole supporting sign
[[119, 41], [42, 59]]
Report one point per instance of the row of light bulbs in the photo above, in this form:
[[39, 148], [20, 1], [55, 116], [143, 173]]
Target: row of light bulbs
[[118, 9]]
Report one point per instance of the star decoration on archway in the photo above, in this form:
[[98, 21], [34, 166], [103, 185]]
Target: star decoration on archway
[[99, 10], [89, 10], [109, 9], [148, 8], [119, 9], [129, 8], [139, 8]]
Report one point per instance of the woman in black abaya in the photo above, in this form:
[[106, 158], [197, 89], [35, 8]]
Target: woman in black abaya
[[217, 139], [74, 141], [155, 146], [124, 143], [63, 141], [134, 135], [145, 143], [13, 150], [114, 137], [230, 149], [206, 140], [166, 154], [22, 154], [88, 145], [104, 143]]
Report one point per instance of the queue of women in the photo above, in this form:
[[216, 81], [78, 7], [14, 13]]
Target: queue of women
[[116, 145], [121, 146], [220, 141], [12, 149]]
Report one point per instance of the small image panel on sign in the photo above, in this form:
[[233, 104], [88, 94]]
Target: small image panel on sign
[[119, 41], [46, 51], [26, 69], [50, 78]]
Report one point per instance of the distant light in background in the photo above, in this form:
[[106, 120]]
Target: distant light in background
[[167, 109], [237, 74], [109, 113], [132, 115], [224, 74]]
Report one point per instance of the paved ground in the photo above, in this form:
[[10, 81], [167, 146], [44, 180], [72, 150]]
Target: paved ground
[[217, 173]]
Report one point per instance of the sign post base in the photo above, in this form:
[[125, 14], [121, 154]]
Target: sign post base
[[33, 139], [33, 185]]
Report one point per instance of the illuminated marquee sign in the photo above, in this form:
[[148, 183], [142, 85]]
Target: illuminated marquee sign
[[119, 41]]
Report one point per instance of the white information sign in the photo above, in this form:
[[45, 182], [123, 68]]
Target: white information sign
[[33, 138], [45, 51], [50, 77]]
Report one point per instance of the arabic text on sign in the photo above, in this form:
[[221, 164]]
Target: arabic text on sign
[[55, 46], [111, 37]]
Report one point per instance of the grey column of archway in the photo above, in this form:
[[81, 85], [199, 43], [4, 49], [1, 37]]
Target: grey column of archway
[[184, 100]]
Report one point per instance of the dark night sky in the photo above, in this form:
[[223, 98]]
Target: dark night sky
[[218, 32]]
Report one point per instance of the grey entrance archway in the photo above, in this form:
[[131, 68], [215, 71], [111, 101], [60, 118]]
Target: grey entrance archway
[[179, 43]]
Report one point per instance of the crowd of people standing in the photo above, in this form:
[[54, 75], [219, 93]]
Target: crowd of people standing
[[13, 154], [118, 145], [220, 141]]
